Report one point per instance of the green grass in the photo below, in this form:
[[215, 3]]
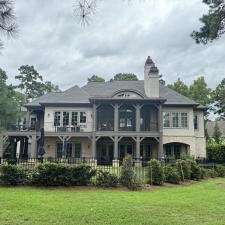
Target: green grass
[[200, 203]]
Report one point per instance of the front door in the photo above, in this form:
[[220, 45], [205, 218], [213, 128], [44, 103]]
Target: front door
[[105, 153], [125, 149]]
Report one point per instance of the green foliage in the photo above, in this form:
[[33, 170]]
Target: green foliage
[[218, 98], [220, 170], [180, 87], [216, 152], [217, 133], [171, 174], [125, 76], [31, 82], [52, 174], [184, 169], [13, 175], [155, 172], [128, 177], [196, 172], [106, 179], [96, 78], [211, 173], [213, 22]]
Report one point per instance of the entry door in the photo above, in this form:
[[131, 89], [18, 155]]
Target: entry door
[[125, 149]]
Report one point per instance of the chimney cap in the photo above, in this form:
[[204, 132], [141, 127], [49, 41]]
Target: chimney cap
[[153, 69], [149, 61]]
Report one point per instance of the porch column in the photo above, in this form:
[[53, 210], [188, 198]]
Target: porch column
[[33, 149], [137, 147], [115, 148], [93, 146], [116, 116], [94, 114], [138, 116], [160, 127], [2, 141]]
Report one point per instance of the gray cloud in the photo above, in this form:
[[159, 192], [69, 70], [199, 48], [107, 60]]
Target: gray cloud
[[118, 39]]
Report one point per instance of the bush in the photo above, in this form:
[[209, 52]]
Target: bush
[[220, 170], [53, 174], [155, 172], [106, 179], [171, 174], [216, 153], [211, 173], [184, 169], [13, 175], [128, 177], [196, 172]]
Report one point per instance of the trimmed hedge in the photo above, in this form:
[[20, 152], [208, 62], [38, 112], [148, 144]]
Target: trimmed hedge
[[53, 174], [216, 153], [14, 175], [106, 179], [184, 169]]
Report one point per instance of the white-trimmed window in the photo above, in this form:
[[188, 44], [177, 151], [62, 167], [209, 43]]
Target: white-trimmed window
[[66, 119], [74, 121], [175, 119], [196, 122], [166, 119], [57, 117], [184, 120]]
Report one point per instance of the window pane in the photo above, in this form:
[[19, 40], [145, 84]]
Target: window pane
[[166, 119], [184, 120], [196, 122], [59, 150], [57, 116], [82, 117], [69, 150], [175, 119], [122, 122], [74, 118], [65, 118], [168, 151], [77, 150]]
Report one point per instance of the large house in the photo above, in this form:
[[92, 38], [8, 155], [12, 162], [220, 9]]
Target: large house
[[107, 120]]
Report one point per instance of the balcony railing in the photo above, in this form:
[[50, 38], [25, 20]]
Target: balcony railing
[[23, 127]]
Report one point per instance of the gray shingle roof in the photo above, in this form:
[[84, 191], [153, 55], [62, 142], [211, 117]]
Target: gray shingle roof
[[107, 90], [210, 127]]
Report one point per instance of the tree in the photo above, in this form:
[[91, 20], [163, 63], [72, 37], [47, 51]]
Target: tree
[[163, 82], [96, 78], [199, 91], [125, 76], [218, 98], [31, 82], [9, 105], [213, 22], [7, 19], [217, 133], [180, 87]]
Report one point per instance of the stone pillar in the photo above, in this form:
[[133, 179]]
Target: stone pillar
[[33, 149], [1, 146], [93, 146], [138, 117], [115, 148], [116, 116], [137, 160], [160, 127]]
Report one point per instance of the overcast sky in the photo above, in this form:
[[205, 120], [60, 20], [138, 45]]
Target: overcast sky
[[119, 38]]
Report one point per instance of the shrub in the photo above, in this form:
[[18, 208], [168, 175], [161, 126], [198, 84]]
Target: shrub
[[171, 174], [155, 172], [216, 152], [220, 170], [53, 174], [106, 179], [82, 174], [196, 172], [184, 169], [13, 175], [128, 177], [211, 173]]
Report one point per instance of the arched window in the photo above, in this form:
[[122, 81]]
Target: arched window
[[127, 94]]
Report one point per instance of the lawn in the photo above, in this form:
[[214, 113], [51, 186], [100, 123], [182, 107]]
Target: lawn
[[199, 203]]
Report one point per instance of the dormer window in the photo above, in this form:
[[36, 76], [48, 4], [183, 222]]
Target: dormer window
[[127, 94]]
